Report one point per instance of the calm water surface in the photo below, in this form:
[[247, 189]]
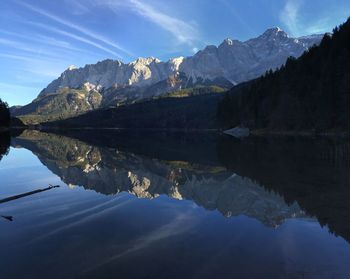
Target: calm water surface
[[174, 206]]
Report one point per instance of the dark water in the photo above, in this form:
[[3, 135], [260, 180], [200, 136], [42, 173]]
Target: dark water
[[174, 206]]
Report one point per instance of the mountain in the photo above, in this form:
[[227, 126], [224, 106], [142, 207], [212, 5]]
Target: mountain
[[241, 61], [113, 83], [311, 93]]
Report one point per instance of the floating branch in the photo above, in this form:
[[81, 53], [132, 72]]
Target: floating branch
[[27, 194]]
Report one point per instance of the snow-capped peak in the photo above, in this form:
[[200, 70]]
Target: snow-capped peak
[[71, 67], [275, 31], [228, 41], [233, 60]]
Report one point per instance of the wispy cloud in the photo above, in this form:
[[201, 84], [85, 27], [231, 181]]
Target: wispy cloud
[[76, 7], [184, 32], [44, 40], [75, 37], [82, 30], [57, 43], [320, 26], [32, 67], [11, 86], [290, 16], [181, 224], [232, 9], [26, 58], [29, 48], [295, 18]]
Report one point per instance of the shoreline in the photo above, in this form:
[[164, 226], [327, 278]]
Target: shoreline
[[305, 133], [258, 133], [5, 129]]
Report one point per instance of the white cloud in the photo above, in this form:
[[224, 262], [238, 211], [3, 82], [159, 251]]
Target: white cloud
[[290, 16], [76, 37], [12, 86], [298, 23], [26, 58], [29, 39], [184, 32], [28, 48], [180, 224], [78, 28], [75, 7]]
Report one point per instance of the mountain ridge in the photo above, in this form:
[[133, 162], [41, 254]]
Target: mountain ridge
[[310, 93], [113, 82]]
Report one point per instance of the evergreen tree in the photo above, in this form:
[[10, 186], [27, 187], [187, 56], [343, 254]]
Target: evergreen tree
[[312, 92], [5, 117]]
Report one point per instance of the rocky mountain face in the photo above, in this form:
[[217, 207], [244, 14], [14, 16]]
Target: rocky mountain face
[[114, 82], [241, 61], [310, 93]]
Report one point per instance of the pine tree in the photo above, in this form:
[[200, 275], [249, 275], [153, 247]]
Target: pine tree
[[4, 114], [312, 92]]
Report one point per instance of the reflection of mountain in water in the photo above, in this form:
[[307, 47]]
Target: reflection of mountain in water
[[109, 170], [315, 173]]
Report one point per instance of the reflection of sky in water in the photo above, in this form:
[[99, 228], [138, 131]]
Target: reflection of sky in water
[[72, 232], [26, 159], [24, 172]]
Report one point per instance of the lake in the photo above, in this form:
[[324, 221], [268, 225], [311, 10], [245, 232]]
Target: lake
[[174, 205]]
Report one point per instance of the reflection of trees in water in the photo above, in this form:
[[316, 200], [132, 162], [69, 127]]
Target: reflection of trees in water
[[5, 141], [313, 172]]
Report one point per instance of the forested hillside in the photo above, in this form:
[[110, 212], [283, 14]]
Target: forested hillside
[[309, 93], [4, 114], [196, 112]]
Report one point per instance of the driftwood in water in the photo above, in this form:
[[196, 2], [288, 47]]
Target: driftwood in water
[[10, 218], [28, 194]]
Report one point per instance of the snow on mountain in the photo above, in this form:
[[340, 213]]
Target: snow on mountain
[[234, 60], [112, 82]]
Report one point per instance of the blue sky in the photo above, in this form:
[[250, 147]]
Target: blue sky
[[40, 38]]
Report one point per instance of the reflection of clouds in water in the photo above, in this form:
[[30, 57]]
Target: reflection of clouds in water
[[81, 220], [182, 223], [80, 213], [56, 208]]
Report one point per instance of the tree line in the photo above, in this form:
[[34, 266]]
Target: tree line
[[5, 116], [311, 92]]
